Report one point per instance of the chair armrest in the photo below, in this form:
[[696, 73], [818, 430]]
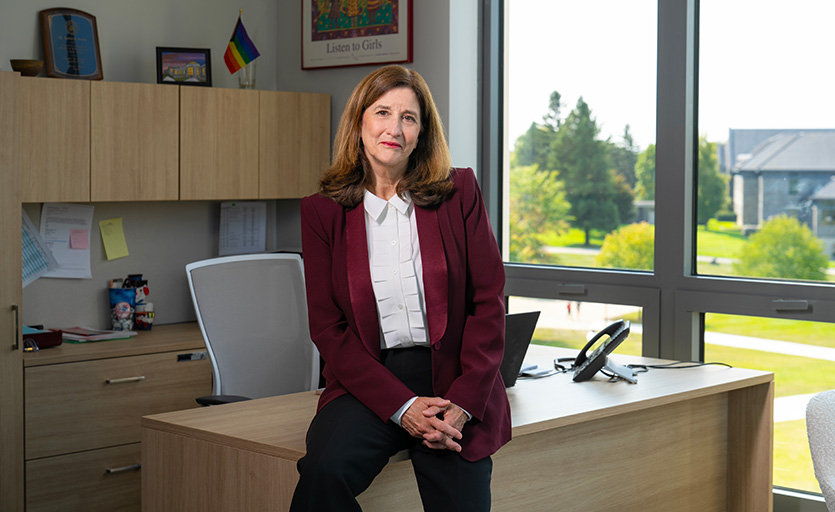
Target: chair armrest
[[219, 399]]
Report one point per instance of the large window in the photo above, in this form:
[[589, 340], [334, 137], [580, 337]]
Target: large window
[[766, 139], [581, 128], [802, 356], [734, 225]]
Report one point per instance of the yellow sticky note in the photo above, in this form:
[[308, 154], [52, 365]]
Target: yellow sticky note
[[113, 237]]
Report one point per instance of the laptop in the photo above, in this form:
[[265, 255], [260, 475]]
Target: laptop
[[519, 329]]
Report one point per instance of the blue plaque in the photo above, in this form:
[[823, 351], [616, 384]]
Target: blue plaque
[[71, 44]]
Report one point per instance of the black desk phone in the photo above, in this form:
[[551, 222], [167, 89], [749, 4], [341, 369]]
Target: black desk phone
[[586, 365]]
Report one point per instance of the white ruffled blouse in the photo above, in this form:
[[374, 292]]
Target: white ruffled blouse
[[396, 270]]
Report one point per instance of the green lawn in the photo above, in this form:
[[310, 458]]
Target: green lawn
[[792, 460], [797, 331], [722, 240]]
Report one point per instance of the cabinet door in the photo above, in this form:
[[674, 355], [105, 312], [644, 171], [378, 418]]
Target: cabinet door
[[218, 143], [96, 404], [294, 143], [11, 364], [55, 140], [134, 146]]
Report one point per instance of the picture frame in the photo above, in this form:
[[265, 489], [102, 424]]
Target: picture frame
[[378, 32], [184, 66], [71, 44]]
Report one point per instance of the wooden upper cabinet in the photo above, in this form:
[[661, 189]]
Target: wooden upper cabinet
[[135, 142], [294, 143], [55, 140], [218, 143]]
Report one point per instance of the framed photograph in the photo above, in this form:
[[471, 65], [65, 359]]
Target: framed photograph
[[337, 33], [184, 66], [71, 44]]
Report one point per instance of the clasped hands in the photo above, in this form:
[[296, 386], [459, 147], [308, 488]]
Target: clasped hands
[[421, 421]]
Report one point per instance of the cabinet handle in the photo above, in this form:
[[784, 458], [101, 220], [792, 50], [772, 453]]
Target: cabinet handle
[[132, 467], [126, 379], [16, 310]]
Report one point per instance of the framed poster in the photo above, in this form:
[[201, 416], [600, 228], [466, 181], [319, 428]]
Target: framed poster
[[71, 44], [355, 32], [184, 66]]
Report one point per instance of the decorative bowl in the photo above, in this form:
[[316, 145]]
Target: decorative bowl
[[27, 67]]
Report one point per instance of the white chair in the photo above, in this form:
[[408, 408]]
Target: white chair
[[252, 311], [820, 426]]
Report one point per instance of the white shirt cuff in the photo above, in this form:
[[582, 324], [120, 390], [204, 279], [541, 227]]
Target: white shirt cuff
[[396, 417]]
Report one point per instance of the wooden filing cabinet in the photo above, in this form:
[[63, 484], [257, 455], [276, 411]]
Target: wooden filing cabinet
[[83, 405]]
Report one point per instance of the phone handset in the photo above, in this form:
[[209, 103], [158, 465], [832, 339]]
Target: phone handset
[[586, 365]]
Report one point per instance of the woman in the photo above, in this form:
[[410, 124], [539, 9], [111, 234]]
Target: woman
[[405, 290]]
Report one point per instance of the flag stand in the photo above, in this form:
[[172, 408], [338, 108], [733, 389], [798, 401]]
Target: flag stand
[[246, 76]]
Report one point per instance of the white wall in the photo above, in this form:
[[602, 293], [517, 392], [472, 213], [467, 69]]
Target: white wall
[[445, 51], [129, 33]]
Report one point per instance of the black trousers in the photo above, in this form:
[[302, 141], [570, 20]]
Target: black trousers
[[348, 446]]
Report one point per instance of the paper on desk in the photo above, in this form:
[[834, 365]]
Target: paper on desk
[[57, 222], [113, 237], [36, 257], [243, 227]]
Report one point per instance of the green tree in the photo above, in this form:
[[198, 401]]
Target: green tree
[[533, 147], [645, 174], [630, 247], [624, 198], [582, 161], [552, 117], [713, 186], [783, 248], [624, 156], [537, 209]]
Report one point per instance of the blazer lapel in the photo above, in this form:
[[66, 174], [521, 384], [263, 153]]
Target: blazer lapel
[[435, 283], [359, 280]]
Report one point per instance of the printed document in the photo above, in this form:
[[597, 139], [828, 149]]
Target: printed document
[[62, 224], [243, 227]]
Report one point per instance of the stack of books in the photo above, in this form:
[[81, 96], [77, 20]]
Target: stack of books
[[86, 334]]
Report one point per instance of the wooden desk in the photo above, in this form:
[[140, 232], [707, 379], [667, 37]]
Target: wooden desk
[[696, 439]]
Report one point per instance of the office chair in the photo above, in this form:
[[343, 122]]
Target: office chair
[[820, 426], [252, 311]]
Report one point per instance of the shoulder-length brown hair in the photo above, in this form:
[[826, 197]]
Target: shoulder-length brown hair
[[427, 177]]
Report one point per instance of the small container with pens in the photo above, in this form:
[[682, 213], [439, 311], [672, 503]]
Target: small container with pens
[[129, 307]]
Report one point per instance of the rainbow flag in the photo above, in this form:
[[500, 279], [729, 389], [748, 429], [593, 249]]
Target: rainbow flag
[[240, 51]]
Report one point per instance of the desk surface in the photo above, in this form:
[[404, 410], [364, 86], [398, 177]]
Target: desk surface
[[276, 426], [162, 338]]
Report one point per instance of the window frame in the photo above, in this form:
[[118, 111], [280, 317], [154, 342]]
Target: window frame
[[674, 298]]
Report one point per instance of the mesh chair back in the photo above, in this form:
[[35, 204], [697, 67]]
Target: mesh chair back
[[252, 310]]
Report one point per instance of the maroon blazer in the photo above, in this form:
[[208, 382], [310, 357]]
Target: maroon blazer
[[463, 278]]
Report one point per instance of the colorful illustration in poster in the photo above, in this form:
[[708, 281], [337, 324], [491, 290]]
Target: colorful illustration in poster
[[344, 19]]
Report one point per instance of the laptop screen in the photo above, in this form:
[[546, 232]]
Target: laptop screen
[[519, 328]]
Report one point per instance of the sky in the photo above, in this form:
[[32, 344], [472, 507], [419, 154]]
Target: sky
[[763, 64]]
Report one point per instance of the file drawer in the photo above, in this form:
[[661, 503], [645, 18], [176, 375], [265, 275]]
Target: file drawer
[[106, 480], [72, 407]]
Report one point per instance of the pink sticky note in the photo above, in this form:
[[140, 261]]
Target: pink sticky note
[[79, 239]]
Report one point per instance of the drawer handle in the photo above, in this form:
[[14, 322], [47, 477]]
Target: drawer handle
[[16, 335], [132, 467], [126, 379]]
